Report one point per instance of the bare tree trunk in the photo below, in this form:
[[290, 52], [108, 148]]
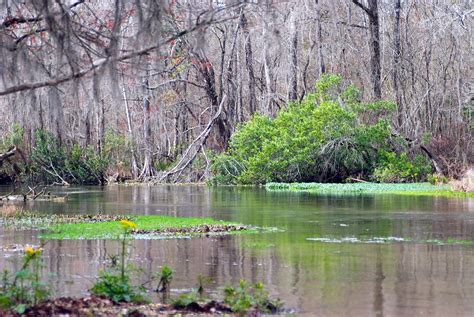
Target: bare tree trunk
[[231, 113], [372, 12], [87, 124], [147, 170], [100, 121], [134, 166], [249, 64], [268, 100], [293, 70], [207, 71], [319, 41], [397, 52]]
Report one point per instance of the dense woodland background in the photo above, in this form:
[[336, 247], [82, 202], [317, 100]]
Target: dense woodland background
[[154, 90]]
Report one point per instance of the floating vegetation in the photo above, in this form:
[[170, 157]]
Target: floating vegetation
[[22, 220], [388, 240], [415, 189], [148, 227], [16, 247], [259, 245]]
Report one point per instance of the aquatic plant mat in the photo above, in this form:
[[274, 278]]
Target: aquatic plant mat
[[109, 227], [415, 189], [390, 240], [148, 227], [22, 220]]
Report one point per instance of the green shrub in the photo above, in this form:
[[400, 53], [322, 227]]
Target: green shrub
[[50, 162], [227, 170], [244, 297], [399, 168], [119, 289], [186, 300], [437, 179], [15, 137], [323, 138]]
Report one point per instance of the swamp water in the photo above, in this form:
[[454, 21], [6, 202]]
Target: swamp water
[[346, 255]]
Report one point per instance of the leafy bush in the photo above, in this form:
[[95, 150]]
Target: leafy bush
[[437, 179], [399, 168], [15, 137], [244, 297], [118, 288], [323, 138], [51, 162]]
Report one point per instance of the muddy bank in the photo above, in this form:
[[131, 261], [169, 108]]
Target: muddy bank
[[103, 307]]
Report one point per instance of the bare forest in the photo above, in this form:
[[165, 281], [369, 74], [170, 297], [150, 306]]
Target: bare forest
[[161, 86]]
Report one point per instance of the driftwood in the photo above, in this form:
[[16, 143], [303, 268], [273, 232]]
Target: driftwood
[[358, 180]]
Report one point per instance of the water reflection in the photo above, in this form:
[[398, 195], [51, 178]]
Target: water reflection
[[396, 279]]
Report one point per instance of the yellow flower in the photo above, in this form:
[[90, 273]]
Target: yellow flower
[[126, 224], [30, 251]]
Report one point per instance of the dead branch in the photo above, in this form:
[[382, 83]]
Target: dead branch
[[197, 144], [11, 152]]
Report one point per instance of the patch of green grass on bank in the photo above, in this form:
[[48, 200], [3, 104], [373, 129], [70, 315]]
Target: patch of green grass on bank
[[412, 189], [147, 227]]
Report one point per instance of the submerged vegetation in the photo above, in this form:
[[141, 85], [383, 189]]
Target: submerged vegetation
[[331, 135], [413, 189]]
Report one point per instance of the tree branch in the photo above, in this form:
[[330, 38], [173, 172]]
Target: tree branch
[[363, 7], [102, 62]]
